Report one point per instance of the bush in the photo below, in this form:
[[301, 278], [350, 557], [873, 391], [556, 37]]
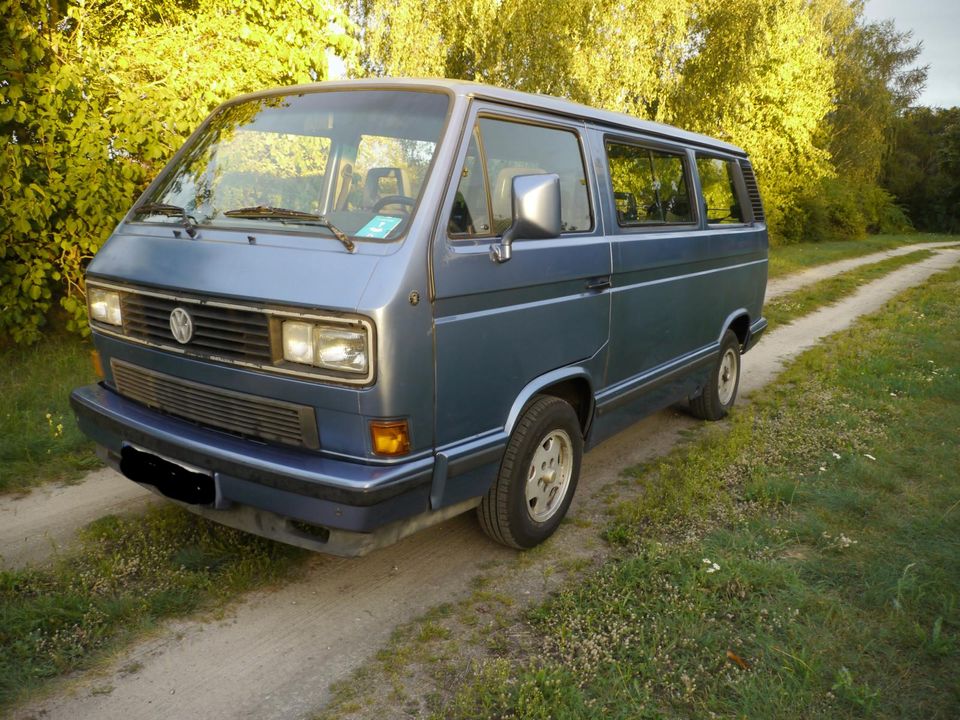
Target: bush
[[841, 210], [96, 96]]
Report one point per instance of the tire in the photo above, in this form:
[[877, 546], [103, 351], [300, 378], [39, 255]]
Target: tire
[[526, 503], [721, 390]]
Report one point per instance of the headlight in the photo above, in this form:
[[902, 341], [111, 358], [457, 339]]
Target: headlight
[[104, 306], [298, 342], [333, 348]]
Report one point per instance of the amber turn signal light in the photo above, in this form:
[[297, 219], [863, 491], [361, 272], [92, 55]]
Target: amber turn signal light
[[390, 437], [97, 365]]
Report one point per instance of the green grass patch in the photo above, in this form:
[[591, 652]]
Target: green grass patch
[[125, 575], [789, 259], [788, 307], [39, 438], [799, 561]]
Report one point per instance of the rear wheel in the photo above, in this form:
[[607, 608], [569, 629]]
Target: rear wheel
[[721, 390], [538, 475]]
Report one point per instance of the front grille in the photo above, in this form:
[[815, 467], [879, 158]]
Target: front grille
[[218, 332], [753, 191], [236, 413]]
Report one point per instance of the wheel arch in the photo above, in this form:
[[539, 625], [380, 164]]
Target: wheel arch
[[573, 385], [739, 322]]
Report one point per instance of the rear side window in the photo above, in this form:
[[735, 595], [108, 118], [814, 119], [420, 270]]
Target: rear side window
[[720, 196], [649, 186], [499, 151]]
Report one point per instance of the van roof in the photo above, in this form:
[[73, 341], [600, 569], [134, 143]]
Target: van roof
[[514, 97]]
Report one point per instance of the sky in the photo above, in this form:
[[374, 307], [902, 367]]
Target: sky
[[935, 22]]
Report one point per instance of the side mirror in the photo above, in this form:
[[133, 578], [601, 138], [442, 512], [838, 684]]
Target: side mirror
[[536, 213]]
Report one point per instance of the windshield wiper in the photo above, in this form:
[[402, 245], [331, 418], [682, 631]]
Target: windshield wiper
[[306, 218], [155, 208]]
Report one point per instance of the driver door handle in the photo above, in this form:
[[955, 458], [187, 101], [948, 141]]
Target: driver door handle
[[601, 283]]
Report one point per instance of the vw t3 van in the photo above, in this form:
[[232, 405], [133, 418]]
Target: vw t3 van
[[350, 310]]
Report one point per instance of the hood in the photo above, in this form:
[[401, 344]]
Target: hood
[[311, 272]]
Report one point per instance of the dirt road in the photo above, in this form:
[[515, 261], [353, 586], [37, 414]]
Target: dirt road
[[278, 652]]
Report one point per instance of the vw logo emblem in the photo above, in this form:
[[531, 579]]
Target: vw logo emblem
[[181, 325]]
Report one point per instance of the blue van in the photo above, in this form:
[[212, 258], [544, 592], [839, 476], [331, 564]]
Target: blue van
[[346, 311]]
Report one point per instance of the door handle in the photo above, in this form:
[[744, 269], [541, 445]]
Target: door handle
[[599, 283]]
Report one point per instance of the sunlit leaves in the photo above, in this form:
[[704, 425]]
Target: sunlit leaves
[[96, 96]]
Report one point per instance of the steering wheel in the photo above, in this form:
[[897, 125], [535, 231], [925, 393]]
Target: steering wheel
[[393, 200]]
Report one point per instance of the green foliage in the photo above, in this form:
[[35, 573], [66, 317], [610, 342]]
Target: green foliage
[[39, 438], [97, 96], [835, 209], [807, 88], [923, 172], [876, 81]]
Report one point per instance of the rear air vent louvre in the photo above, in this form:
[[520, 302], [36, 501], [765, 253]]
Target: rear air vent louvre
[[753, 191]]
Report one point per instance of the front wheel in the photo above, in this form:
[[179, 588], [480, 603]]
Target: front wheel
[[538, 475], [721, 390]]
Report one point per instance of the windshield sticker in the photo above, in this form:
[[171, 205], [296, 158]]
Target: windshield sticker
[[379, 227]]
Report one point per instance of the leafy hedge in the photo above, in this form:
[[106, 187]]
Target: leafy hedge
[[96, 96]]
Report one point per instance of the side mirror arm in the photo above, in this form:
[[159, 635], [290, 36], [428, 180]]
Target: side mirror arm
[[502, 251]]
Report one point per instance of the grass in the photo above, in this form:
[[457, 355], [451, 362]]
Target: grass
[[799, 561], [39, 439], [788, 307], [125, 575], [787, 259]]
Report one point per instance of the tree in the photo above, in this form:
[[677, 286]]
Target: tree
[[96, 96], [876, 82], [923, 171], [759, 75], [621, 55]]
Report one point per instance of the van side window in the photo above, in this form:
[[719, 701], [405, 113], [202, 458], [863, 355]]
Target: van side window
[[470, 216], [649, 186], [511, 149], [719, 190]]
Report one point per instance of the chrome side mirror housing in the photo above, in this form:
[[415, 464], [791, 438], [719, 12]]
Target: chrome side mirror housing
[[536, 213]]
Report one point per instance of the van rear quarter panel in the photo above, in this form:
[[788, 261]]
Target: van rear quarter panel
[[673, 293]]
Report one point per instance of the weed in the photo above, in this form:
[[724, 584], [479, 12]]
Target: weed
[[39, 440], [126, 574]]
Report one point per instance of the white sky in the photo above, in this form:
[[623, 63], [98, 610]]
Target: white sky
[[936, 23]]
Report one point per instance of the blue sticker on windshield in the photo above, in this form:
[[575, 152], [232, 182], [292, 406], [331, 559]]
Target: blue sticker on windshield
[[379, 227]]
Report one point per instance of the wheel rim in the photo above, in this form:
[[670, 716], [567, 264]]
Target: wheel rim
[[548, 476], [727, 379]]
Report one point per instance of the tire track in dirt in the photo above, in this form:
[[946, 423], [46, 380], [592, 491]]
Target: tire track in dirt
[[795, 281], [278, 651]]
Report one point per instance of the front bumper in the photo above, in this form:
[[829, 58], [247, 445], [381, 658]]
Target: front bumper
[[280, 483]]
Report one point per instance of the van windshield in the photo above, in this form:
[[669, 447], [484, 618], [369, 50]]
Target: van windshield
[[356, 160]]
